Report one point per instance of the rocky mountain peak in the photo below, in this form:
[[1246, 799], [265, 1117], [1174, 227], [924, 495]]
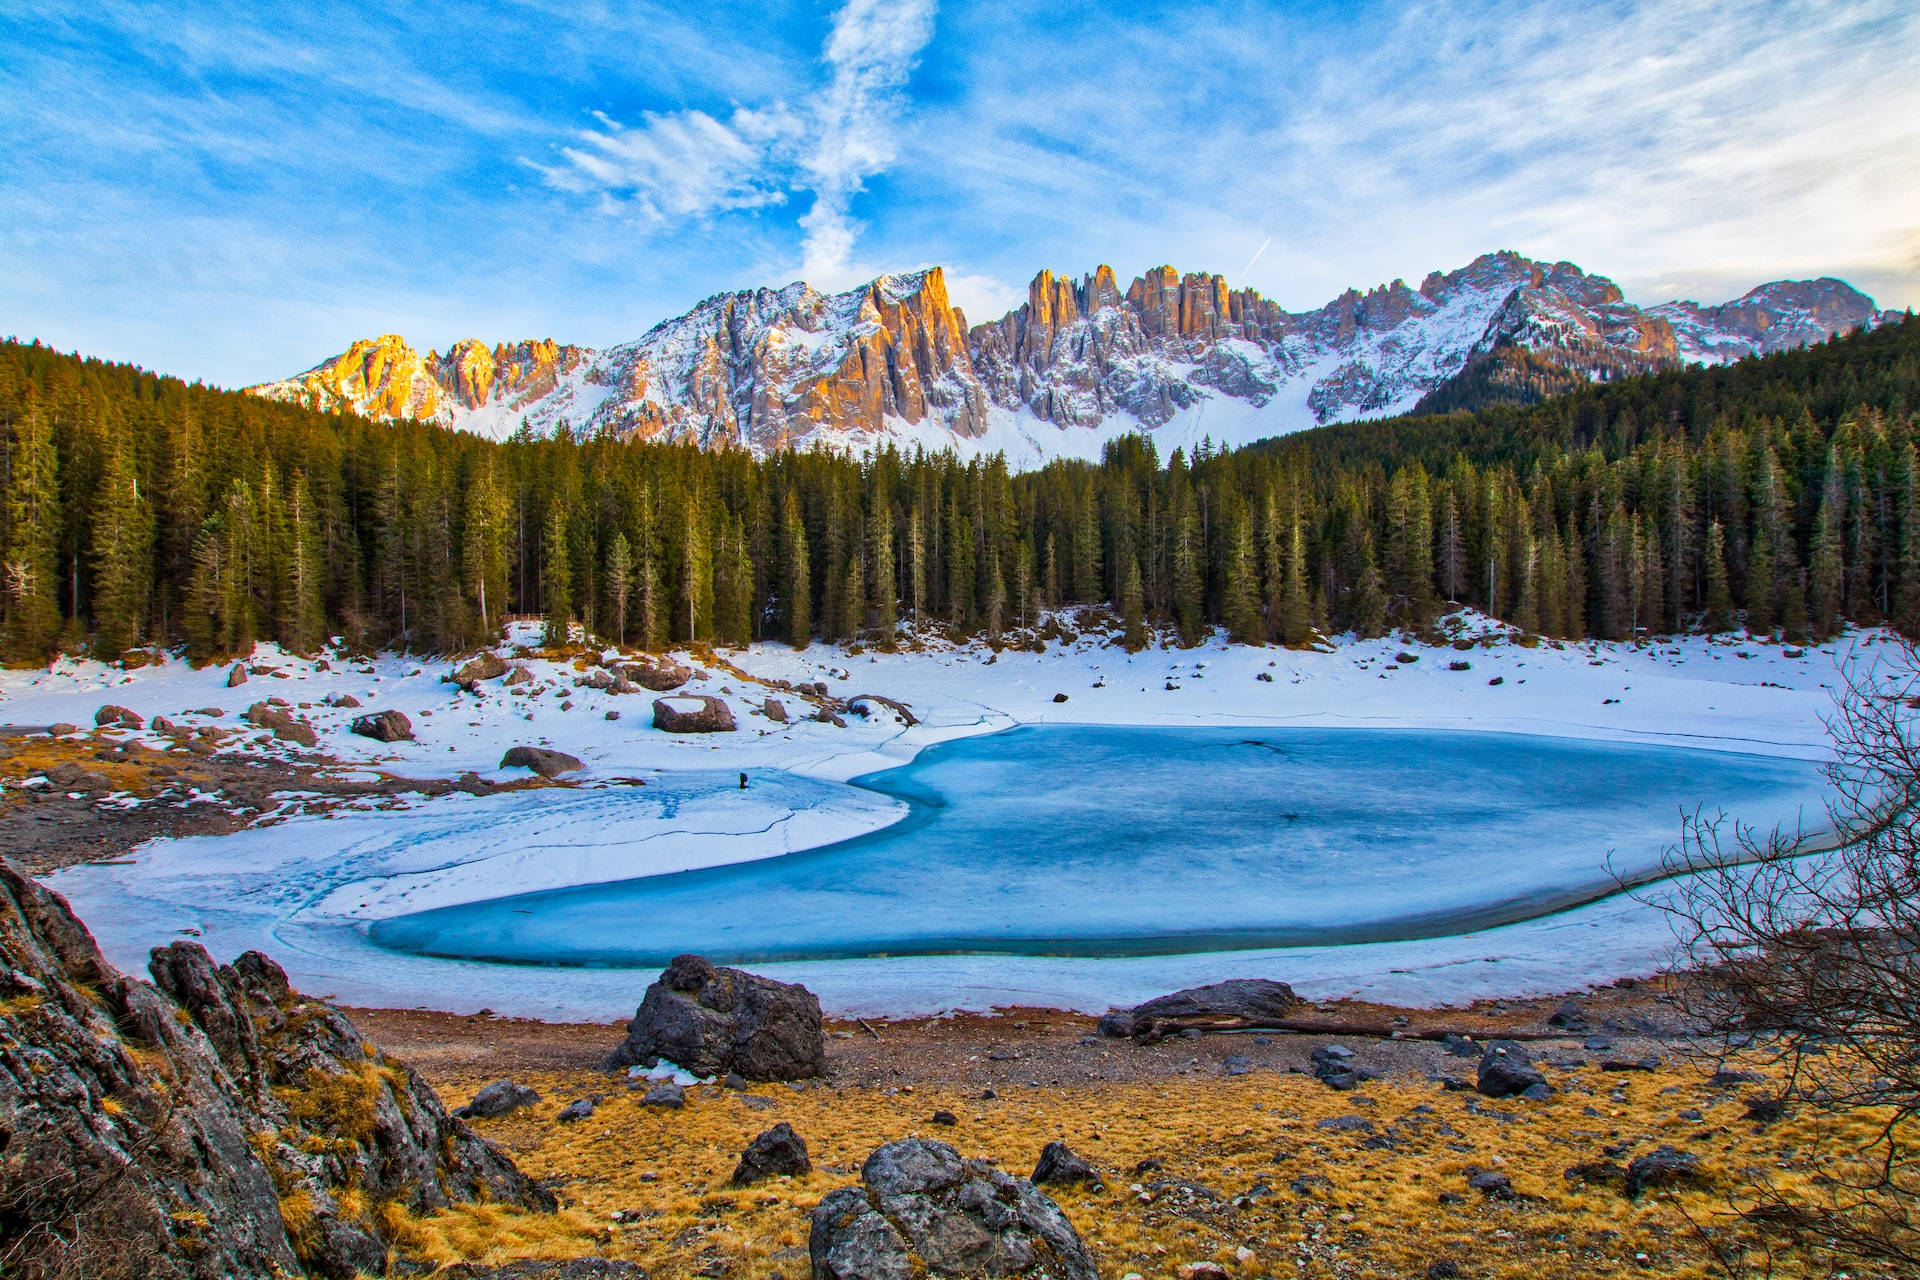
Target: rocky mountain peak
[[1080, 361]]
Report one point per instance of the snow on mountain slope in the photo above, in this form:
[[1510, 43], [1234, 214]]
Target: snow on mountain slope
[[1180, 356]]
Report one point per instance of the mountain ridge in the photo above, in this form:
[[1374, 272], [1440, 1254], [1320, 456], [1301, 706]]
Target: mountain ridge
[[1179, 354]]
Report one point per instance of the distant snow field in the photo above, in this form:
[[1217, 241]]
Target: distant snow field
[[306, 888]]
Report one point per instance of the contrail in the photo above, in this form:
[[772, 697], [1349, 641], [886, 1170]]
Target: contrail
[[1255, 258]]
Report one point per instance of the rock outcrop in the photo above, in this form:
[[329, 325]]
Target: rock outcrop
[[779, 1152], [1235, 1002], [922, 1210], [211, 1124], [711, 1021], [674, 715]]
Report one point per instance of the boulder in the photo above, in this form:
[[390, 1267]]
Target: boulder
[[923, 1211], [674, 715], [1507, 1070], [114, 717], [1058, 1164], [777, 1152], [237, 676], [61, 728], [578, 1109], [519, 675], [543, 761], [774, 710], [345, 701], [483, 666], [661, 675], [498, 1099], [1237, 1001], [384, 726], [711, 1021]]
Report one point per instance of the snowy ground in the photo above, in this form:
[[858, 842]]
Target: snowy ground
[[306, 888]]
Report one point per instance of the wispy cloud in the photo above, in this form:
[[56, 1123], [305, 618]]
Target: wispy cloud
[[689, 164], [873, 48]]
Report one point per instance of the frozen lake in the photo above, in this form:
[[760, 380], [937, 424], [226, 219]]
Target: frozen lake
[[1101, 841]]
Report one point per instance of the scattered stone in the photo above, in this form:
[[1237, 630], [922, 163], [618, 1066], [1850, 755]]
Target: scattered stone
[[1459, 664], [1664, 1166], [1765, 1109], [1059, 1165], [923, 1211], [1648, 1063], [665, 1094], [1461, 1046], [1235, 1002], [1506, 1071], [712, 1020], [1497, 680], [774, 710], [735, 1081], [237, 676], [281, 724], [384, 726], [498, 1099], [1201, 1271], [1445, 1269], [1723, 1077], [1059, 697], [68, 776], [777, 1152], [945, 1117], [1405, 658], [674, 715], [1238, 1064], [543, 761], [579, 1109], [1597, 1044], [518, 676], [114, 717]]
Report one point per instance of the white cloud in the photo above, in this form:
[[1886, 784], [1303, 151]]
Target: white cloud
[[873, 48], [689, 164], [684, 163]]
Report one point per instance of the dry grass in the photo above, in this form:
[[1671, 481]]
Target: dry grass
[[1380, 1211]]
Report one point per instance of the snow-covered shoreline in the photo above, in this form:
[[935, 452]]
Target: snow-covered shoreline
[[306, 889]]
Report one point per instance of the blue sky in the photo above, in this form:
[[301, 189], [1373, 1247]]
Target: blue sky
[[233, 191]]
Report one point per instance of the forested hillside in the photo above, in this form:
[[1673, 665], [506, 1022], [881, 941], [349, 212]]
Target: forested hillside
[[141, 510]]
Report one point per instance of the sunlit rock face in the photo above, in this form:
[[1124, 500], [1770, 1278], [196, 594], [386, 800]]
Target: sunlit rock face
[[894, 361]]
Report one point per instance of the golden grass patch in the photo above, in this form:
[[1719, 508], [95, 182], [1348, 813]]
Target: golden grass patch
[[1243, 1166]]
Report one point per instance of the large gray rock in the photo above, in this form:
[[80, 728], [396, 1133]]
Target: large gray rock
[[483, 666], [714, 1020], [923, 1211], [384, 726], [115, 717], [157, 1129], [498, 1099], [281, 723], [543, 761], [713, 715], [1245, 1000], [660, 675]]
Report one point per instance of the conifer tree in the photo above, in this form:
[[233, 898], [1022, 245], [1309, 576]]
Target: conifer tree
[[556, 577], [483, 549], [882, 589], [302, 622], [619, 582], [1823, 572], [796, 575], [1296, 614], [1240, 599], [1719, 595], [1133, 620], [30, 626], [122, 553]]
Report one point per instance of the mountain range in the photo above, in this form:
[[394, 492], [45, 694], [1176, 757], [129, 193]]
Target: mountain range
[[1180, 355]]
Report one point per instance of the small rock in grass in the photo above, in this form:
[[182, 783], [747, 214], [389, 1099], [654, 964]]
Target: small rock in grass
[[1506, 1071], [1238, 1064], [579, 1109], [1491, 1183], [1202, 1271], [498, 1099], [1345, 1124], [665, 1094], [1059, 1164], [1664, 1166], [779, 1151], [945, 1117]]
